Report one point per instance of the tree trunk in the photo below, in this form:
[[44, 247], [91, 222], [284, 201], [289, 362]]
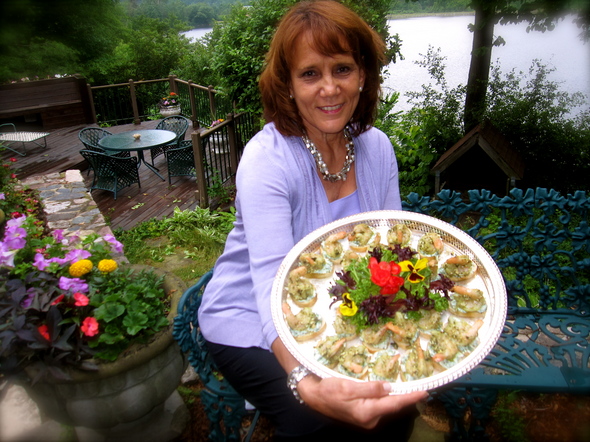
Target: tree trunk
[[479, 69]]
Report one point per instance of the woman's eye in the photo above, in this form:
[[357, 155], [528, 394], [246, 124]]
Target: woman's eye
[[308, 74], [343, 70]]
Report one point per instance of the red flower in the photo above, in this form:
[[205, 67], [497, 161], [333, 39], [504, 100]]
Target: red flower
[[80, 299], [89, 326], [385, 275], [44, 331], [59, 299], [14, 160], [13, 175]]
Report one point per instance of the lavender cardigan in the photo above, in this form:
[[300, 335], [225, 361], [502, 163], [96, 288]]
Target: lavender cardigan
[[280, 199]]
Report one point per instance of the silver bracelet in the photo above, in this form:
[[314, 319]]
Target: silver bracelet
[[294, 378]]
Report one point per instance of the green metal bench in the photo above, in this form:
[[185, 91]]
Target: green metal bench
[[540, 240], [225, 408]]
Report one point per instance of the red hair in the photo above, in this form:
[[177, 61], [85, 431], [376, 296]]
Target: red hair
[[334, 29]]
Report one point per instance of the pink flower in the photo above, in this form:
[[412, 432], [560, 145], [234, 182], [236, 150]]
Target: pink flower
[[80, 299], [89, 327]]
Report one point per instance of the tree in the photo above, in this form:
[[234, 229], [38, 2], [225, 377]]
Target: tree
[[40, 38], [541, 16]]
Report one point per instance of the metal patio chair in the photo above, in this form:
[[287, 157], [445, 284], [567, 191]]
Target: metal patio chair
[[177, 124], [110, 172], [90, 137], [181, 160]]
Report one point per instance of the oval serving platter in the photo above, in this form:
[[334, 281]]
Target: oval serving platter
[[488, 279]]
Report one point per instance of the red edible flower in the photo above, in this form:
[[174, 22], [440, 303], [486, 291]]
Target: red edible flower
[[385, 275]]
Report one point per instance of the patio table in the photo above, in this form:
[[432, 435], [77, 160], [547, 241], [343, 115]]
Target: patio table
[[129, 141], [22, 137]]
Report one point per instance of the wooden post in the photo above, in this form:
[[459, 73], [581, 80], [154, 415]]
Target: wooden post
[[91, 99], [200, 169], [136, 119], [212, 103], [172, 83], [191, 96], [233, 145]]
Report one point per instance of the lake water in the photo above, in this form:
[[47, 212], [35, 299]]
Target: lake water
[[561, 49]]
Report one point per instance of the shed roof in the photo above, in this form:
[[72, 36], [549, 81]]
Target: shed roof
[[493, 143]]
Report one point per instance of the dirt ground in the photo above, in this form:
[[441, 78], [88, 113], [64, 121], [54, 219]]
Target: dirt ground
[[526, 417]]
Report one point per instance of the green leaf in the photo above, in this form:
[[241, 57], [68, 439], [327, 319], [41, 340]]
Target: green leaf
[[108, 312]]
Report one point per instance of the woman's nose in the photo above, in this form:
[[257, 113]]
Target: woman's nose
[[329, 86]]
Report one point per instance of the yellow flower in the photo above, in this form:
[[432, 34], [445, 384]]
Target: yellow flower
[[414, 276], [348, 307], [107, 265], [80, 268]]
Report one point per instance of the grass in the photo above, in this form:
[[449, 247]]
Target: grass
[[188, 243]]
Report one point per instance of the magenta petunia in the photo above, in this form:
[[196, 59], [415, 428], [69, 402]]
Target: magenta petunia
[[58, 235], [73, 284], [40, 262], [77, 255], [14, 237], [117, 246], [6, 255]]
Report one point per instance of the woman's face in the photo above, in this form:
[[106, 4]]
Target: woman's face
[[325, 88]]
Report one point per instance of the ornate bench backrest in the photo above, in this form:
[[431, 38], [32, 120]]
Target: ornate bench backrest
[[539, 239]]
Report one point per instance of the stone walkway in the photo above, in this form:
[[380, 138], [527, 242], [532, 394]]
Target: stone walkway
[[68, 204]]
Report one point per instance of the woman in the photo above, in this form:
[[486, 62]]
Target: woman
[[316, 160]]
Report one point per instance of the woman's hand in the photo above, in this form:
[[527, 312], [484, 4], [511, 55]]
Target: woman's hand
[[358, 403]]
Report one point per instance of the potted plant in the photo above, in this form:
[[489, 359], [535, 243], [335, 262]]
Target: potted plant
[[89, 339], [170, 105]]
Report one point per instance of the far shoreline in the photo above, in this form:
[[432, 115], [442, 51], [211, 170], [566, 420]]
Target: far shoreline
[[428, 14]]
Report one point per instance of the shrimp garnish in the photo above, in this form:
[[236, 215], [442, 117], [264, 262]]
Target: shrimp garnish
[[462, 332], [300, 288], [459, 268], [304, 325], [332, 247], [386, 366], [329, 349]]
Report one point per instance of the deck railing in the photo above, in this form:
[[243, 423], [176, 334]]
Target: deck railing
[[217, 152], [137, 101]]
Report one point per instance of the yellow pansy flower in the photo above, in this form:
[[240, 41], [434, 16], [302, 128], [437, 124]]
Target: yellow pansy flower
[[348, 307], [414, 276]]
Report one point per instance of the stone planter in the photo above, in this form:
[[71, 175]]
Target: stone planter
[[133, 398], [170, 110]]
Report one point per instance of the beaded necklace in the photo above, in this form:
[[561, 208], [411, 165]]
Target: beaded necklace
[[332, 177]]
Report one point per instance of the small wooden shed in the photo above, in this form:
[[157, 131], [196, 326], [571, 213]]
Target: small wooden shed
[[482, 159]]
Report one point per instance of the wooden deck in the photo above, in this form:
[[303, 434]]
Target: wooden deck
[[155, 198]]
